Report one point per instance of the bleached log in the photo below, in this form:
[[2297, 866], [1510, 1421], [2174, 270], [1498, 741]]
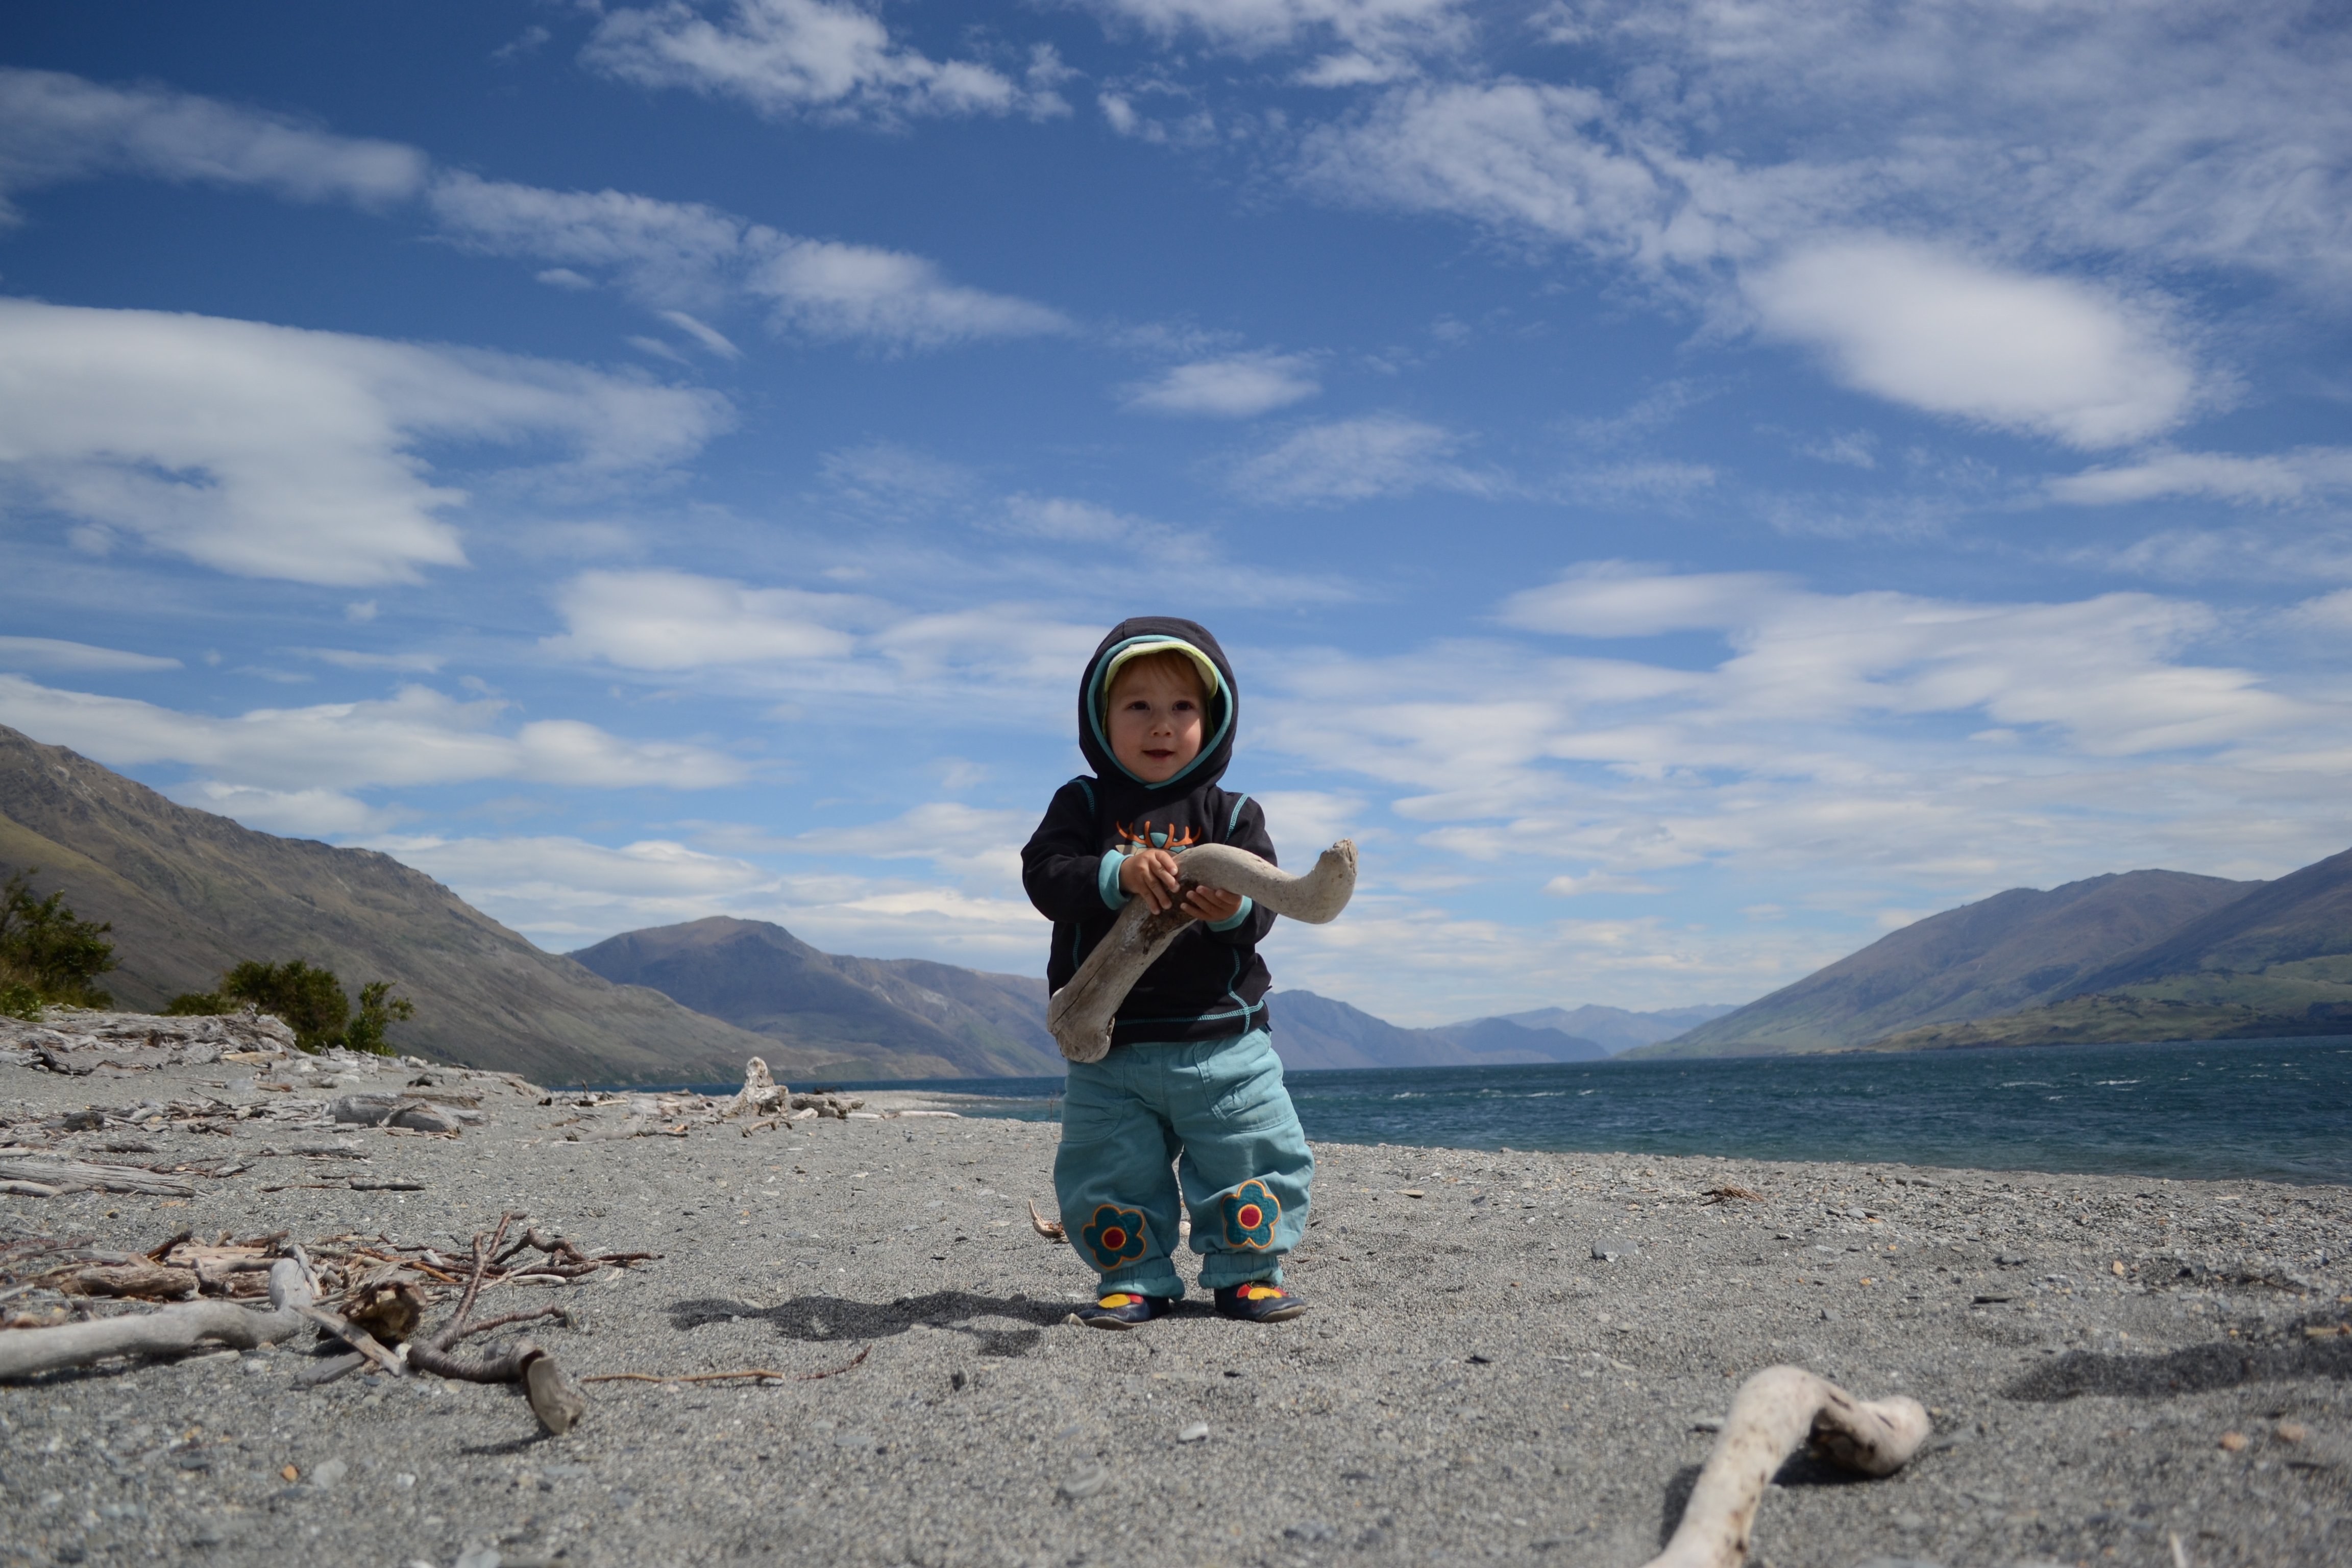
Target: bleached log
[[1081, 1011], [26, 1352], [71, 1175], [759, 1096], [1775, 1412]]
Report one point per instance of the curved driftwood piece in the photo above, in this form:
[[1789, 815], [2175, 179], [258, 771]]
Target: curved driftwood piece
[[1080, 1012], [24, 1352], [1777, 1410], [1051, 1229]]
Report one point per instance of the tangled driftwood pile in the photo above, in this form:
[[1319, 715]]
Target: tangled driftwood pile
[[79, 1041], [367, 1293]]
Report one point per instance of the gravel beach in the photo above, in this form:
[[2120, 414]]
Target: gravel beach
[[1514, 1357]]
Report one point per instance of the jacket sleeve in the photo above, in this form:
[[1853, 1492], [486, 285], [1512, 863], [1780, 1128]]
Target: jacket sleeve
[[1060, 871], [1244, 829]]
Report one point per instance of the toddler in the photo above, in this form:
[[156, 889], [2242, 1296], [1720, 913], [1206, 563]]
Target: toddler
[[1191, 1080]]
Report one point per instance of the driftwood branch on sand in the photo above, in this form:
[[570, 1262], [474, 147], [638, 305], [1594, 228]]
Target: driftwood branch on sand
[[1776, 1411], [1080, 1012], [555, 1398], [26, 1352]]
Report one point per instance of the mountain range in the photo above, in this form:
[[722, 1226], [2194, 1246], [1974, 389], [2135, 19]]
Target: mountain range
[[2138, 955], [189, 894]]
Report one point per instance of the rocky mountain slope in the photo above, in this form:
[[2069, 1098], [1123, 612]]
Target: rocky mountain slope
[[190, 893], [2020, 949], [906, 1017]]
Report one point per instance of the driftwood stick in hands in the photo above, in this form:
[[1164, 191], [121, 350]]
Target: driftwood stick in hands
[[26, 1353], [1080, 1012], [1777, 1410]]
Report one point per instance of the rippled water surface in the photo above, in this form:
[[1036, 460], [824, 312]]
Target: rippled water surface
[[2277, 1110]]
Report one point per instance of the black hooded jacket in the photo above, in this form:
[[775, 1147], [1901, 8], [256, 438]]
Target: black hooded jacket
[[1210, 982]]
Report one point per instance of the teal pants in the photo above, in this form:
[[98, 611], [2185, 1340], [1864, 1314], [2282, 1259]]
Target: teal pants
[[1207, 1121]]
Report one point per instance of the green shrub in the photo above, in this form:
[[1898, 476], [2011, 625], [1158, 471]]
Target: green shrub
[[20, 1002], [378, 1008], [198, 1005], [44, 950], [310, 1001]]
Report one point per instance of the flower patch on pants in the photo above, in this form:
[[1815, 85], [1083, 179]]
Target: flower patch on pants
[[1249, 1212], [1115, 1235]]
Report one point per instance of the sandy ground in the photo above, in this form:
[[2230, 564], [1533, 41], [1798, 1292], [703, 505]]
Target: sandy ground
[[1474, 1383]]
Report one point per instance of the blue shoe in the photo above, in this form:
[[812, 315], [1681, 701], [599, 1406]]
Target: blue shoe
[[1123, 1309], [1257, 1302]]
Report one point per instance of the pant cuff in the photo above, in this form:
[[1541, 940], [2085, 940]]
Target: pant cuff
[[1153, 1279], [1220, 1269]]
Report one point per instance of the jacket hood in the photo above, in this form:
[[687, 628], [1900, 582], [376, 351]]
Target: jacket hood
[[1222, 720]]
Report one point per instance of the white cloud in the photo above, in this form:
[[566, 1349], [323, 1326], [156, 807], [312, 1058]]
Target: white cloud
[[1382, 27], [2275, 479], [829, 289], [1941, 748], [784, 58], [54, 127], [1357, 459], [416, 737], [1233, 387], [681, 257], [273, 452], [54, 653], [1618, 599], [568, 892], [294, 813], [2046, 355], [350, 658], [673, 620], [710, 337], [817, 644]]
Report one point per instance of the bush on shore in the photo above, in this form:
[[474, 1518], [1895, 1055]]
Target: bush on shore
[[45, 953], [310, 1001]]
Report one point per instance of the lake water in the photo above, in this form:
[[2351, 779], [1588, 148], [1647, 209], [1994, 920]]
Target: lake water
[[2278, 1109]]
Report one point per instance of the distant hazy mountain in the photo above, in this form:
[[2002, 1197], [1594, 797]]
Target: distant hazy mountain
[[190, 894], [1312, 1031], [2019, 949], [1616, 1029], [883, 1018]]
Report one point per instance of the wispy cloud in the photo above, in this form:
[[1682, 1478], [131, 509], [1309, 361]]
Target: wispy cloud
[[834, 61], [55, 653], [54, 127], [1358, 459], [681, 257], [419, 736], [2272, 479], [1236, 386], [273, 452]]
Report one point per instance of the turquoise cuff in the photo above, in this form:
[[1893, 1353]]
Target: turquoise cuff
[[1239, 915], [1107, 880]]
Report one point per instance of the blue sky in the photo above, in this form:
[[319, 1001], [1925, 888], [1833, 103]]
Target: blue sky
[[1690, 487]]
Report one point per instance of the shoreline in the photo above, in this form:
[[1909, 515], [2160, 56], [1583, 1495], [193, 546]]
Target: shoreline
[[1471, 1383]]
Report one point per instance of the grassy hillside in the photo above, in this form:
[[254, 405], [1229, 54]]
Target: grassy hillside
[[2306, 996], [189, 894], [2024, 947]]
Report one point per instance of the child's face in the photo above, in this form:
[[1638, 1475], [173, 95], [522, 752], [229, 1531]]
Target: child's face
[[1155, 721]]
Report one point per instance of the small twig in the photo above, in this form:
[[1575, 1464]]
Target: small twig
[[722, 1376], [487, 1324]]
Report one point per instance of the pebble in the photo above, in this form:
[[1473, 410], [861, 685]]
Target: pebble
[[330, 1474], [1197, 1432], [1086, 1483], [1611, 1251]]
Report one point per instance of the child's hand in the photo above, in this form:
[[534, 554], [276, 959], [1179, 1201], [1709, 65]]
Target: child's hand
[[1149, 875], [1212, 904]]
